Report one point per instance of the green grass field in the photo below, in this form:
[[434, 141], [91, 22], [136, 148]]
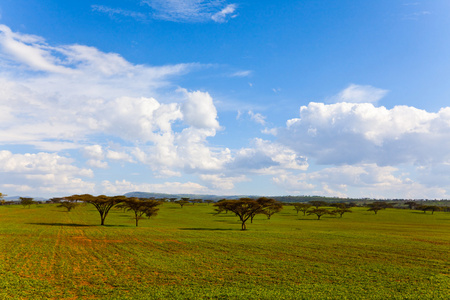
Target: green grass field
[[189, 253]]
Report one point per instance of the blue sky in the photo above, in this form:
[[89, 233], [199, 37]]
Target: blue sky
[[336, 98]]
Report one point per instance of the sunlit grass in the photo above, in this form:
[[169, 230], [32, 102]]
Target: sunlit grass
[[190, 253]]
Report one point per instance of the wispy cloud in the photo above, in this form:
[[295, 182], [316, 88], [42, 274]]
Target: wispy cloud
[[192, 10], [359, 94], [245, 73], [120, 12], [416, 15], [222, 15], [257, 117]]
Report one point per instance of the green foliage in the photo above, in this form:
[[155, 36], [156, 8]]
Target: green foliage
[[431, 208], [246, 208], [69, 205], [379, 205], [303, 207], [317, 203], [182, 202], [319, 212], [25, 201], [340, 211], [140, 207], [102, 203], [2, 199]]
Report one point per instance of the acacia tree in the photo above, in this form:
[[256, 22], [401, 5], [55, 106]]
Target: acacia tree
[[56, 200], [69, 205], [319, 212], [193, 201], [209, 201], [411, 204], [269, 206], [140, 207], [339, 205], [433, 208], [317, 203], [102, 203], [220, 206], [2, 199], [182, 202], [378, 205], [25, 201], [245, 208], [341, 211], [303, 207]]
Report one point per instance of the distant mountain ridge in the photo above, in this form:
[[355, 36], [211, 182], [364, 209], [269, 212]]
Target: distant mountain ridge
[[178, 196], [17, 198]]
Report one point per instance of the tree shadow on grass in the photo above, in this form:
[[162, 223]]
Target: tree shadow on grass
[[62, 224], [228, 221], [225, 215], [207, 229]]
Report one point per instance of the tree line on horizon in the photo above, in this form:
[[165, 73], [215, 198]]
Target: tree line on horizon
[[244, 208]]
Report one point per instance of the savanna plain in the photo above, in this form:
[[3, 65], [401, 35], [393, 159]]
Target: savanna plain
[[191, 253]]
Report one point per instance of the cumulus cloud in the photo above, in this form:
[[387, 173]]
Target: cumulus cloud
[[222, 182], [360, 180], [120, 156], [81, 95], [265, 157], [94, 152], [199, 111], [349, 133], [47, 173], [191, 10], [359, 94]]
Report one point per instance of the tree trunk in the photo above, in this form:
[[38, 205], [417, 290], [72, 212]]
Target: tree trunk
[[244, 227]]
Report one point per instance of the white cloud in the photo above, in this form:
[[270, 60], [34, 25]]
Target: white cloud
[[114, 155], [100, 99], [221, 182], [94, 152], [359, 94], [199, 111], [191, 10], [265, 157], [46, 173], [257, 117], [360, 180], [221, 16], [97, 164], [117, 11], [122, 186], [245, 73], [30, 50], [348, 133]]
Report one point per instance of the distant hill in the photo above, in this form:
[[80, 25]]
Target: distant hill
[[191, 196], [286, 199], [17, 198]]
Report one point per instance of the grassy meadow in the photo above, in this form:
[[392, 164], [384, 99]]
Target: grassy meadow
[[190, 253]]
